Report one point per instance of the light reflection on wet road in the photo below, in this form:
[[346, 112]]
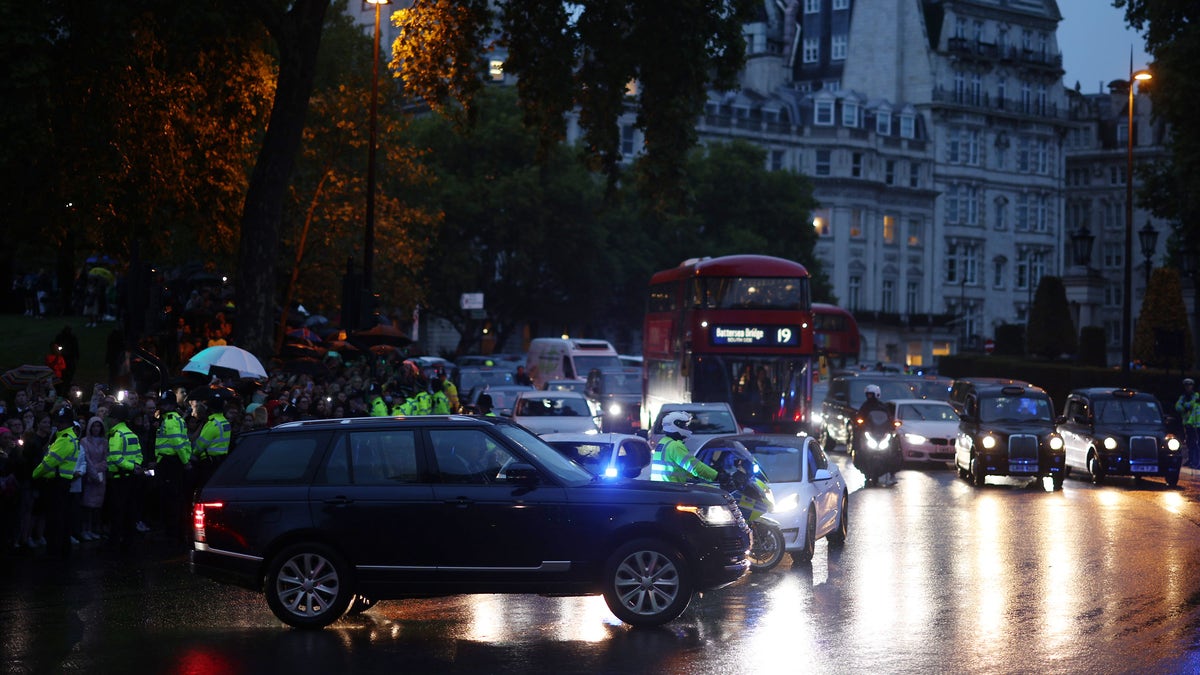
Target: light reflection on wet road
[[936, 576]]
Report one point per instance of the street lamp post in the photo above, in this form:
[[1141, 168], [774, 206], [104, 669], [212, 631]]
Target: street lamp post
[[1127, 304], [1148, 238], [369, 223]]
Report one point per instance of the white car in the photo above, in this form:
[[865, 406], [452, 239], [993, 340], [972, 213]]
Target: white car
[[607, 455], [811, 498], [708, 420], [551, 412], [927, 430]]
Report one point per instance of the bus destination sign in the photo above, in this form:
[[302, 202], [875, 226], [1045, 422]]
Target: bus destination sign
[[756, 336]]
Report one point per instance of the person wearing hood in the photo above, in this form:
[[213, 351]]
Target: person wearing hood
[[94, 446]]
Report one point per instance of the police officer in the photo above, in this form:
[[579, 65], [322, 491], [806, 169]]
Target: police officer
[[172, 453], [212, 443], [60, 465], [441, 402], [671, 460], [375, 403], [1188, 407], [124, 467]]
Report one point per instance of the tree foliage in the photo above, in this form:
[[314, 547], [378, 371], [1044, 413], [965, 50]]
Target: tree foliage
[[1172, 32], [1162, 336], [1051, 331], [584, 54]]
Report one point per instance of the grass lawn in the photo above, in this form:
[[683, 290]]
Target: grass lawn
[[26, 339]]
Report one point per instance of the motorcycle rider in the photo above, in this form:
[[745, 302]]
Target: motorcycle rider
[[873, 402], [671, 460]]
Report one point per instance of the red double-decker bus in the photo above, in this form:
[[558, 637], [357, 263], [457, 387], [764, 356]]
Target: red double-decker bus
[[835, 336], [735, 329]]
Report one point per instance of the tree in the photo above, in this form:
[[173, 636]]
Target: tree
[[295, 28], [1162, 336], [1172, 32], [1051, 330], [674, 51], [525, 234]]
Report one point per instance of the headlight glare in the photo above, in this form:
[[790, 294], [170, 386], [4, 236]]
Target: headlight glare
[[1056, 443], [1173, 444], [989, 442], [713, 516], [915, 439], [1110, 443]]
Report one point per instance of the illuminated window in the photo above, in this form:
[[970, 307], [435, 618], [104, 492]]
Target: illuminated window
[[496, 70], [889, 229], [821, 223], [856, 230], [916, 232]]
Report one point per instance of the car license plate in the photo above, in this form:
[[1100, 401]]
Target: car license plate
[[1022, 468], [1143, 468]]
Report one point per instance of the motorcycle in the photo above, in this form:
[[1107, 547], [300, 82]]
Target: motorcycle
[[875, 446], [739, 475]]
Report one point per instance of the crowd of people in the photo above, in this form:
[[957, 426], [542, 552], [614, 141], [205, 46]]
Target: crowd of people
[[115, 466]]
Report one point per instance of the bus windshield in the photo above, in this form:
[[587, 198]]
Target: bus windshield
[[748, 293], [763, 390]]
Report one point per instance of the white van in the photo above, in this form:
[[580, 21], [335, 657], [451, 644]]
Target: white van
[[567, 359]]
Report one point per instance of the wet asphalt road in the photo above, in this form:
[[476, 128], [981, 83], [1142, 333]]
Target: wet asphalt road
[[936, 576]]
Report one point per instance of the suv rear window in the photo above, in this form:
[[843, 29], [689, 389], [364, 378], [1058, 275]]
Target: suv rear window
[[283, 460]]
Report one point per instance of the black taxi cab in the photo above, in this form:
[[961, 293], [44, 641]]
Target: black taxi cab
[[1006, 428], [1118, 432]]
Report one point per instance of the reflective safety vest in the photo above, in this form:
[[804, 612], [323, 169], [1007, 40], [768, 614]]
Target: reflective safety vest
[[378, 407], [441, 403], [451, 392], [124, 450], [172, 439], [61, 457], [671, 462], [1188, 407], [403, 407], [214, 438], [422, 403]]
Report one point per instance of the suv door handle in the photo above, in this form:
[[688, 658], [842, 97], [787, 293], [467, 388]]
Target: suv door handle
[[460, 502], [339, 501]]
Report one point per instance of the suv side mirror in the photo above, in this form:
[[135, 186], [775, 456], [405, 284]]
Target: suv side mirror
[[520, 472]]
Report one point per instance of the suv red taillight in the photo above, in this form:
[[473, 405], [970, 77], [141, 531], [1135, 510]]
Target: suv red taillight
[[198, 513]]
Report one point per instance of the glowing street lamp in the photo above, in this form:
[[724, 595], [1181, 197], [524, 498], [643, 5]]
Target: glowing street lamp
[[1127, 297]]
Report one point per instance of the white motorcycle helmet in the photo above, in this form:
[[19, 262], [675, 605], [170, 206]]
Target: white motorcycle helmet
[[873, 390], [676, 423]]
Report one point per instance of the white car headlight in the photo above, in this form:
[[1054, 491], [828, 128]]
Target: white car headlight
[[614, 409], [1056, 443], [788, 503], [1110, 443], [915, 439], [713, 516], [1173, 444], [818, 419], [989, 442]]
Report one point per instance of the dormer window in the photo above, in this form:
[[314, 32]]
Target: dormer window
[[908, 125], [850, 114], [883, 122], [823, 112]]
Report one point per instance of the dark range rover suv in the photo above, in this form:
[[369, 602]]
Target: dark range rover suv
[[330, 516]]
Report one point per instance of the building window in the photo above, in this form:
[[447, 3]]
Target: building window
[[975, 94], [971, 140], [1041, 156], [1038, 213], [856, 230], [887, 296], [998, 274], [889, 172], [1022, 275], [1122, 133], [627, 139], [1001, 92], [1112, 294], [889, 229], [908, 126], [960, 27], [823, 162], [856, 165], [912, 300], [1113, 330], [841, 4], [1001, 214], [812, 50], [970, 263], [823, 113], [1037, 267], [960, 87], [821, 223], [837, 47], [916, 232], [952, 268], [1023, 159], [1112, 254], [812, 6], [855, 292], [962, 204], [777, 160], [849, 114], [1022, 215], [914, 174], [883, 122], [1041, 99], [1026, 98]]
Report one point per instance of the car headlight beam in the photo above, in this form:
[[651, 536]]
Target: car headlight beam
[[713, 516], [1110, 443], [989, 442]]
